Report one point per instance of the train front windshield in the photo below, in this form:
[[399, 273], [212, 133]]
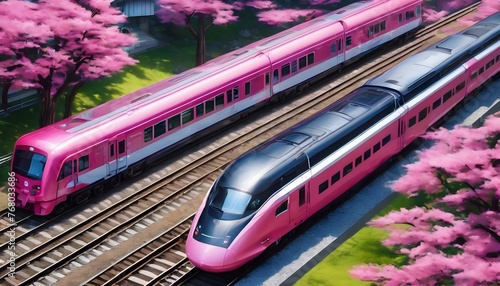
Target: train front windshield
[[230, 201], [29, 164]]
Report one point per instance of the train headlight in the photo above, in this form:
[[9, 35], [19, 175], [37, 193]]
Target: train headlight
[[227, 239]]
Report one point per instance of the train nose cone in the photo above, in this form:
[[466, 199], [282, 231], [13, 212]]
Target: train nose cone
[[210, 258]]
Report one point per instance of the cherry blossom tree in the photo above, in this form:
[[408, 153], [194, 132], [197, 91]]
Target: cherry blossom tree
[[82, 43], [454, 238]]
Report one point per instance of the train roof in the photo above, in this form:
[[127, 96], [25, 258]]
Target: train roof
[[327, 130], [411, 73]]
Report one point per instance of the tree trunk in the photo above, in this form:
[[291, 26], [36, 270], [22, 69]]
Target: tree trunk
[[48, 112], [5, 94], [200, 41], [70, 98]]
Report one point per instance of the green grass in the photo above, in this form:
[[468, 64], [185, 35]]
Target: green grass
[[362, 248]]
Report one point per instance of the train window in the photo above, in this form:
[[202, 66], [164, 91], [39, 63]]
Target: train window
[[335, 177], [302, 62], [285, 70], [275, 76], [111, 150], [187, 115], [323, 186], [229, 95], [460, 86], [267, 78], [347, 169], [236, 92], [209, 105], [498, 58], [418, 10], [121, 146], [409, 15], [481, 70], [219, 101], [282, 208], [294, 65], [382, 25], [247, 88], [400, 18], [376, 147], [348, 41], [310, 59], [377, 28], [422, 114], [358, 161], [148, 136], [436, 103], [200, 110], [160, 129], [302, 196], [447, 96], [489, 64], [333, 48], [65, 170], [412, 121], [83, 163], [174, 122], [386, 140], [370, 31], [474, 75], [367, 154]]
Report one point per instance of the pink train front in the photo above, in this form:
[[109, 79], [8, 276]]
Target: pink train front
[[82, 155], [267, 192]]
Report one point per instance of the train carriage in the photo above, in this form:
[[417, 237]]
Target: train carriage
[[80, 156], [267, 192]]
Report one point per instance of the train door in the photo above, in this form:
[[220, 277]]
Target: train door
[[298, 206], [340, 50], [67, 178], [121, 153], [112, 163]]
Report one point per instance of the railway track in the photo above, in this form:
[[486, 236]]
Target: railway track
[[48, 252]]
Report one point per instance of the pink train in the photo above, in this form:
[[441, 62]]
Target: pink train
[[267, 192], [80, 156]]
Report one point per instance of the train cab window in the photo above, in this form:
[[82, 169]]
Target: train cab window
[[358, 161], [447, 96], [187, 115], [302, 62], [66, 170], [236, 92], [209, 105], [174, 122], [83, 163], [294, 65], [422, 114], [382, 26], [276, 76], [436, 103], [310, 59], [282, 208], [247, 88], [460, 86], [285, 70], [412, 121], [121, 146], [267, 78], [348, 41], [322, 187], [302, 196], [160, 129], [347, 169], [148, 136], [376, 147], [333, 48], [219, 101], [367, 154], [229, 95], [386, 140], [200, 110], [335, 178]]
